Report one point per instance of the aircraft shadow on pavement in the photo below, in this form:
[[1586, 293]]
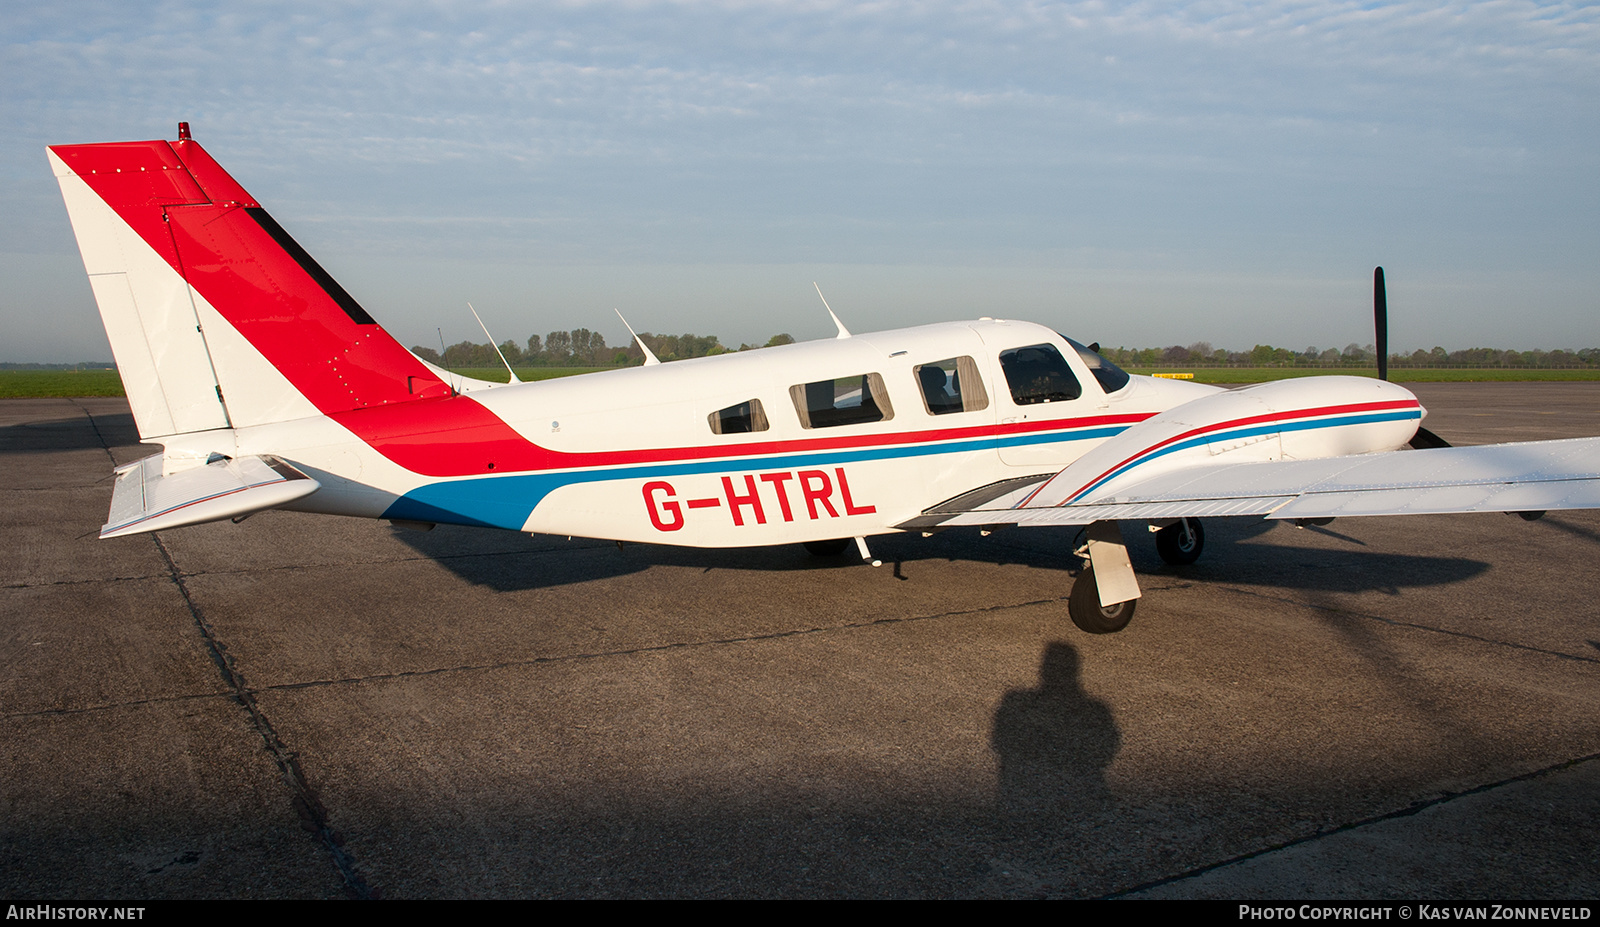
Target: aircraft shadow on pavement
[[506, 561], [70, 433], [1555, 522], [1239, 552]]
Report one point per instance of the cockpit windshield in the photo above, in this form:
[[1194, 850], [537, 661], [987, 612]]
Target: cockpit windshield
[[1110, 377]]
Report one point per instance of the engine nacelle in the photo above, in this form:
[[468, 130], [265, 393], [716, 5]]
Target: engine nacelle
[[1303, 418]]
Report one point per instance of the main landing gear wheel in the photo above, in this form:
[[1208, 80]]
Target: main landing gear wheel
[[831, 548], [1180, 543], [1083, 605]]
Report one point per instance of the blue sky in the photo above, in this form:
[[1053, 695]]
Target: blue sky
[[1137, 174]]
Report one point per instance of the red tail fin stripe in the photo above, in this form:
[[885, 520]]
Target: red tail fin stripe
[[270, 295]]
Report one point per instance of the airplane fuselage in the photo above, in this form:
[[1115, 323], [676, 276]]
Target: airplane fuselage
[[635, 454]]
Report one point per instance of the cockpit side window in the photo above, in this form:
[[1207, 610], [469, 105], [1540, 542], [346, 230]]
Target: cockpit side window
[[739, 419], [951, 385], [852, 400], [1038, 373], [1110, 377]]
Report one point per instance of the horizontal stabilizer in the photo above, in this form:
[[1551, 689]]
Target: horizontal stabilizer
[[144, 500], [1526, 477]]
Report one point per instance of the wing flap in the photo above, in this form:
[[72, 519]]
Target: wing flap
[[144, 500], [1124, 511]]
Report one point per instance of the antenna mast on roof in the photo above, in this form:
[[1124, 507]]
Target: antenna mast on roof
[[493, 345], [649, 355], [843, 332]]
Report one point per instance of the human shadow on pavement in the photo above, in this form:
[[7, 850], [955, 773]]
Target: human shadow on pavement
[[1054, 743]]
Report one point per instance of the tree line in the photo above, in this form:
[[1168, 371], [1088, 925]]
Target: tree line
[[581, 347]]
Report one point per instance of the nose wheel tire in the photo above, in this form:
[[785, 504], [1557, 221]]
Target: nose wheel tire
[[831, 548], [1084, 607], [1180, 544]]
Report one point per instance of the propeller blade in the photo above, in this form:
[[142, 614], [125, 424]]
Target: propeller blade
[[1425, 439], [1380, 321]]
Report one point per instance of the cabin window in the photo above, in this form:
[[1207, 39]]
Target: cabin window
[[1038, 373], [1110, 377], [850, 400], [951, 386], [740, 419]]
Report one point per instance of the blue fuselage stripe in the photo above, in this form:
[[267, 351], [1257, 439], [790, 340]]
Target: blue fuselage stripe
[[507, 501]]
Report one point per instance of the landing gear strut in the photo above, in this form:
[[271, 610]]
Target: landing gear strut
[[1180, 543]]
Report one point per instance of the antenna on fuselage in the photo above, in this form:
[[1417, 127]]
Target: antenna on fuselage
[[649, 356], [493, 345], [843, 332], [454, 387]]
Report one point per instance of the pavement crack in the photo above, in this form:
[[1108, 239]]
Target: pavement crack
[[128, 703], [84, 582], [187, 859], [97, 435], [313, 815], [1413, 808]]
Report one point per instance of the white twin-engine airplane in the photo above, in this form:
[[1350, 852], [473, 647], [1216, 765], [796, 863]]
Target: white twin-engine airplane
[[268, 386]]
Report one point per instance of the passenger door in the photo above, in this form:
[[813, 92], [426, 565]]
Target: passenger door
[[1042, 398]]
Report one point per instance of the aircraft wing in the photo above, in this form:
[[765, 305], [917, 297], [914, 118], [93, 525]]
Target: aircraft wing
[[144, 500], [1533, 476]]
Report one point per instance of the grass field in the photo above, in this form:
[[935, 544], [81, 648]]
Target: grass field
[[31, 384]]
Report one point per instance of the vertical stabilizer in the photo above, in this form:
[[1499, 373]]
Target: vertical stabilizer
[[216, 316]]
